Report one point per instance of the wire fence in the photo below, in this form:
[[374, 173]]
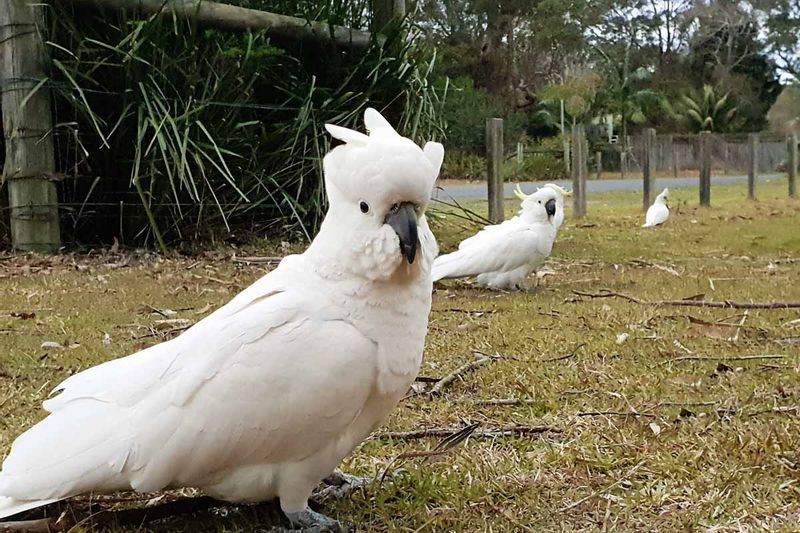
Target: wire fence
[[680, 154]]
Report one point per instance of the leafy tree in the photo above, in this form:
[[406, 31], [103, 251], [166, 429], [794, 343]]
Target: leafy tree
[[782, 20], [784, 116]]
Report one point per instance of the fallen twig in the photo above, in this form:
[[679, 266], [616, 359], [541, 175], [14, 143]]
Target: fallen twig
[[725, 304], [562, 357], [502, 431], [255, 260], [468, 311], [458, 373], [783, 409], [505, 401], [613, 413], [724, 358], [601, 491], [447, 444]]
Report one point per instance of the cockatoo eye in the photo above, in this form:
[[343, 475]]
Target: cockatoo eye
[[364, 206]]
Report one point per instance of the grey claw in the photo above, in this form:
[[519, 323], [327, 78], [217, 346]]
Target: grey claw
[[340, 485], [309, 521]]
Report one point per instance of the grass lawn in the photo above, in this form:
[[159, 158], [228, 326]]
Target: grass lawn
[[651, 417]]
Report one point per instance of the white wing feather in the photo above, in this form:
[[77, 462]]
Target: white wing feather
[[656, 214], [505, 248], [165, 416]]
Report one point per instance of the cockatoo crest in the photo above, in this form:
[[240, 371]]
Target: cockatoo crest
[[383, 162]]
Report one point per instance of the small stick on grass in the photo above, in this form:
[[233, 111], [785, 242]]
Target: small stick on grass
[[503, 401], [459, 372], [562, 357], [502, 431], [725, 304], [724, 358], [601, 491], [613, 413], [257, 260]]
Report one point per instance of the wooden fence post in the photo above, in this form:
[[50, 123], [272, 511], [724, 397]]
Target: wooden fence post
[[520, 154], [705, 168], [579, 170], [647, 166], [791, 142], [30, 159], [752, 173], [494, 159], [673, 156], [598, 163]]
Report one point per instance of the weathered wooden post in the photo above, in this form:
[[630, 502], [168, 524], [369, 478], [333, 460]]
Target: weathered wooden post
[[705, 168], [579, 170], [520, 154], [752, 173], [791, 142], [647, 166], [673, 156], [598, 163], [494, 160], [30, 160], [386, 11]]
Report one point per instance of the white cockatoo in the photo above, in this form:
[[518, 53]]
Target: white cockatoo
[[658, 213], [502, 255], [558, 219], [264, 397]]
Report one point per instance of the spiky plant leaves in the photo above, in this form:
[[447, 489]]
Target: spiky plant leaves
[[212, 131]]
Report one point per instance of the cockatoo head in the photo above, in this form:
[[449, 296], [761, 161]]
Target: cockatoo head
[[562, 192], [541, 205], [378, 187], [663, 197]]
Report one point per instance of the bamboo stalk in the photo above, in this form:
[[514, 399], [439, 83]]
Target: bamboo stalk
[[227, 17]]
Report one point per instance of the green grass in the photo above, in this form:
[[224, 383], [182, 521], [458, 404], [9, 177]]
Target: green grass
[[709, 452]]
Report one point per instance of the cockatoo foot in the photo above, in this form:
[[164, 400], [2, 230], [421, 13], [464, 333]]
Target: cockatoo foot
[[341, 484], [309, 521]]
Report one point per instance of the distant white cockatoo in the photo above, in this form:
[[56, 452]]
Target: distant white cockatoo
[[558, 219], [264, 397], [658, 213], [502, 255]]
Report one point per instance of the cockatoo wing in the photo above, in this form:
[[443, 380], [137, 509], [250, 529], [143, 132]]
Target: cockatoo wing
[[498, 251], [269, 378], [489, 232], [656, 214]]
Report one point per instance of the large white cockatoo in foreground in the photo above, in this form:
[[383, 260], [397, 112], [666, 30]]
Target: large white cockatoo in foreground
[[658, 213], [502, 255], [264, 397]]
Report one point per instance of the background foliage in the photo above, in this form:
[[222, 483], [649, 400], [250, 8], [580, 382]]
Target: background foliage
[[168, 132]]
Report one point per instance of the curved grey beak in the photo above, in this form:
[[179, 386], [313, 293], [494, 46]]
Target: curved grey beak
[[550, 207], [403, 220]]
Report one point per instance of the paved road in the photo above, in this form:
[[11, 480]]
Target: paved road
[[474, 191]]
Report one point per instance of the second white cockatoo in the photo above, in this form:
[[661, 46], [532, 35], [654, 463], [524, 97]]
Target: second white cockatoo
[[558, 219], [264, 397], [658, 213], [502, 255]]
